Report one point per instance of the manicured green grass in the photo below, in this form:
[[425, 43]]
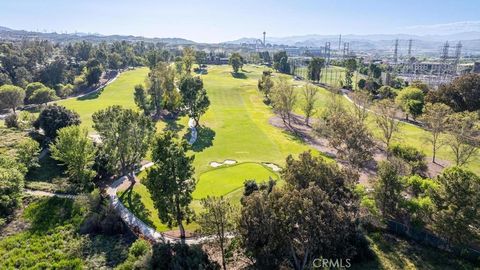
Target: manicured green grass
[[237, 122], [140, 203], [222, 181], [120, 92], [407, 134]]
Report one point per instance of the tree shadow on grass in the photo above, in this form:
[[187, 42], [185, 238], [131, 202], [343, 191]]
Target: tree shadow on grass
[[293, 134], [90, 96], [205, 136], [52, 212], [133, 201], [239, 75], [49, 169], [173, 125]]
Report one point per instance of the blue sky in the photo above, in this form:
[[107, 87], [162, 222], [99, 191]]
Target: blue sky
[[215, 21]]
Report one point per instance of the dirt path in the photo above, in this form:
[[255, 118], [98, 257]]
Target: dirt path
[[366, 174]]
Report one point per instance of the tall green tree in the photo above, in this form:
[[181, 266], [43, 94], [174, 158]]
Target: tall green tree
[[161, 87], [140, 97], [11, 97], [315, 68], [43, 96], [312, 216], [188, 58], [75, 150], [194, 97], [457, 205], [31, 88], [218, 220], [201, 57], [280, 62], [462, 94], [265, 84], [411, 100], [171, 97], [388, 188], [435, 118], [55, 117], [387, 92], [236, 61], [94, 73], [350, 65], [126, 135], [170, 181]]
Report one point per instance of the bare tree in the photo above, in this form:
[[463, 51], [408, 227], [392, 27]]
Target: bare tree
[[463, 138], [385, 111], [435, 120], [284, 99], [350, 137], [310, 96], [218, 220], [362, 103]]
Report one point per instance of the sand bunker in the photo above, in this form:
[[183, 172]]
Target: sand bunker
[[225, 162], [272, 166]]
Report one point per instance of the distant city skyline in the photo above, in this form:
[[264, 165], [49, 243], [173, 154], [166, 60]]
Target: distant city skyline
[[218, 21]]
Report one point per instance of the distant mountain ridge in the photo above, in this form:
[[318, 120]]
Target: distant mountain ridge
[[379, 42], [290, 40], [11, 34]]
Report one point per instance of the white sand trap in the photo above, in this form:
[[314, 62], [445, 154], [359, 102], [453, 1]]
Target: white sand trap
[[225, 162], [215, 164], [272, 166], [229, 161]]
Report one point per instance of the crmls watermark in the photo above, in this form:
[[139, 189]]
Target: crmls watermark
[[331, 263]]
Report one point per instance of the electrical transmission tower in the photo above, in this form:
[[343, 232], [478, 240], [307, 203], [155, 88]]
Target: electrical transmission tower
[[446, 46], [444, 58], [458, 52], [339, 43], [395, 52], [327, 53], [410, 48], [346, 49]]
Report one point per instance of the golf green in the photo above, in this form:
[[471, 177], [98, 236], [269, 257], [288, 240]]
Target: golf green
[[224, 180]]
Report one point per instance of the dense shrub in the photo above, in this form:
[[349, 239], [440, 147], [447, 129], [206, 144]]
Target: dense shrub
[[419, 185], [410, 155], [54, 117], [106, 221], [180, 256], [139, 256], [11, 121], [11, 185]]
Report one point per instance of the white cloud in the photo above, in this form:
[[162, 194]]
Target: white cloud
[[444, 28]]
